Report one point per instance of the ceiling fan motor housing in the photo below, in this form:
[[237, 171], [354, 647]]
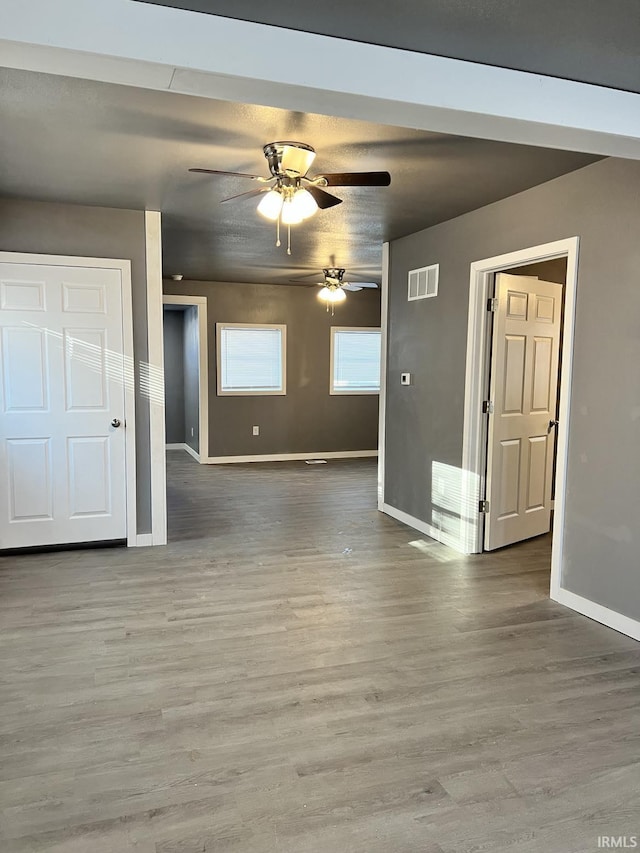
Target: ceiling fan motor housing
[[335, 275], [289, 159]]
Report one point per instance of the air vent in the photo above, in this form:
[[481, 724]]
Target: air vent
[[423, 282]]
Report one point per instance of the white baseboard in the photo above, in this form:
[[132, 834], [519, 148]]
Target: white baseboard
[[186, 447], [598, 613], [423, 527], [143, 540], [292, 457]]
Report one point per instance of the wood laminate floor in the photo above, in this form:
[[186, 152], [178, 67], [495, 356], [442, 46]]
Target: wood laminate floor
[[295, 672]]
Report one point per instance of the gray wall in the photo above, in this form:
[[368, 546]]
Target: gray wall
[[307, 419], [64, 229], [173, 333], [191, 378], [600, 204]]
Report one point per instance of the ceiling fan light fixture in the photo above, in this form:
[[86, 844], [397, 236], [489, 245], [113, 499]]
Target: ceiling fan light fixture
[[304, 203], [332, 294], [291, 213], [271, 205]]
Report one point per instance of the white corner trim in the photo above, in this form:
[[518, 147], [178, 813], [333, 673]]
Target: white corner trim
[[382, 406], [598, 613], [422, 527], [152, 377], [564, 413], [184, 446], [142, 540], [292, 457], [130, 405]]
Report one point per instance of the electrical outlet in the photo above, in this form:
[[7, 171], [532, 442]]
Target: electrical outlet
[[256, 430]]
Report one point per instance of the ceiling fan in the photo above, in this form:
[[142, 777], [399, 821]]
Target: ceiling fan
[[334, 286], [290, 195]]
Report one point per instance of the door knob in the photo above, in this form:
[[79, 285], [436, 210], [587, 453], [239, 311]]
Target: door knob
[[115, 423], [552, 424]]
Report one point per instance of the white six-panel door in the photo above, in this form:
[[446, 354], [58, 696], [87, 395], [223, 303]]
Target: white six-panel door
[[524, 390], [62, 462]]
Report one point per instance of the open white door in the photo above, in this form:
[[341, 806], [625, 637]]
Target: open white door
[[523, 390], [62, 431]]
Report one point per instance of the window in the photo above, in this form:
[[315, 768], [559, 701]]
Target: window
[[355, 361], [251, 359]]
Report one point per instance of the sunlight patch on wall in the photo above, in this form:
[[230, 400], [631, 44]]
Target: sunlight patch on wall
[[454, 502]]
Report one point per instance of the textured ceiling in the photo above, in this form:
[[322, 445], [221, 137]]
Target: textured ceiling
[[71, 140], [593, 41]]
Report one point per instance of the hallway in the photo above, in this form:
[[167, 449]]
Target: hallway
[[296, 672]]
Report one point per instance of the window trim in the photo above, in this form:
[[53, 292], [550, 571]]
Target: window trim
[[338, 392], [283, 356]]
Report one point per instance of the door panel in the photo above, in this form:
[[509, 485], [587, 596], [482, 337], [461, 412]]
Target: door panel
[[30, 479], [537, 469], [25, 369], [541, 375], [88, 475], [523, 389], [84, 298], [85, 369], [509, 478], [62, 384], [22, 295], [513, 379]]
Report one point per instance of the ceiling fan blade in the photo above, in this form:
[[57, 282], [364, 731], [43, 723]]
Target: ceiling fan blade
[[357, 179], [358, 285], [233, 174], [315, 275], [245, 195], [323, 199]]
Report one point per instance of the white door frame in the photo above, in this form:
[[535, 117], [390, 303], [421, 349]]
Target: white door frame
[[124, 268], [474, 435], [382, 405], [200, 303]]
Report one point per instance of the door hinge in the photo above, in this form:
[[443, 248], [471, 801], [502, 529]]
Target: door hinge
[[487, 407], [492, 304], [483, 506]]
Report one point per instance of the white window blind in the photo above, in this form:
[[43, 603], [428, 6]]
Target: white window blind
[[251, 359], [355, 361]]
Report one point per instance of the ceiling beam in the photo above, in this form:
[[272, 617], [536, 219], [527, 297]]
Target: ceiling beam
[[162, 48]]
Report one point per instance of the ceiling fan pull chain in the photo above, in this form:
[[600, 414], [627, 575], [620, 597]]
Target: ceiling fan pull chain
[[288, 239], [278, 231]]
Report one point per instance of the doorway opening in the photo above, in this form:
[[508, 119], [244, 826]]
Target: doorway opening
[[186, 375], [526, 263]]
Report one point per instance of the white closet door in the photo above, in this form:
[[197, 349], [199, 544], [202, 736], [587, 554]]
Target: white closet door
[[62, 431]]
